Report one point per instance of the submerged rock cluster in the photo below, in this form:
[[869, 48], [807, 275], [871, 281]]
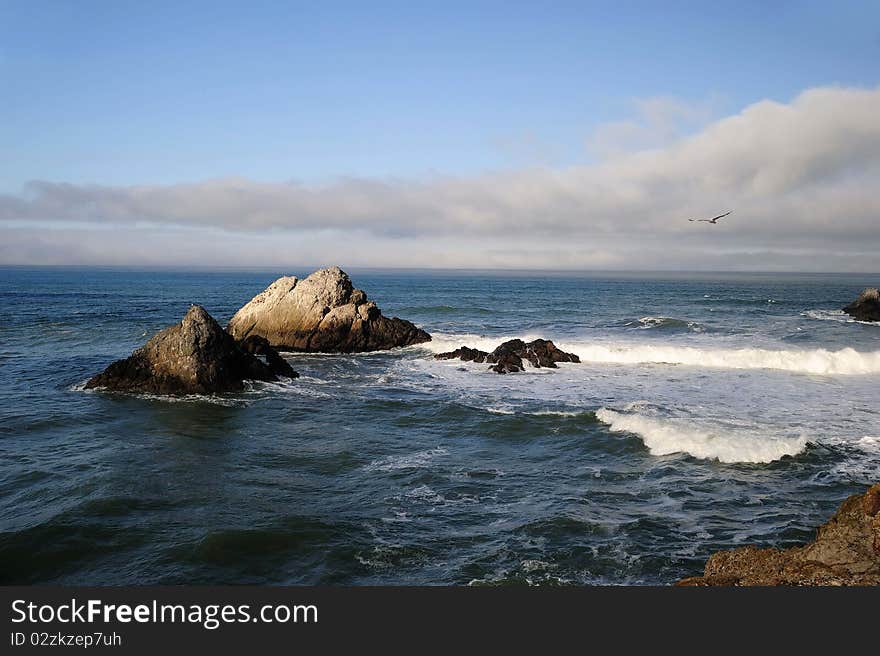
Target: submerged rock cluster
[[846, 551], [866, 307], [508, 357]]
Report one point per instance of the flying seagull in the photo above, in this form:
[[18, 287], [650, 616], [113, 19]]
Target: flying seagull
[[713, 220]]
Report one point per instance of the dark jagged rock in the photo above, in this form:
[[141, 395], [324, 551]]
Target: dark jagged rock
[[256, 345], [195, 356], [846, 551], [540, 353], [866, 307], [321, 313], [464, 353], [508, 358]]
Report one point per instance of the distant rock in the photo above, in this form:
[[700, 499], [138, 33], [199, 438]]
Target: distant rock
[[195, 356], [866, 307], [464, 353], [321, 313], [508, 358], [256, 345], [846, 551]]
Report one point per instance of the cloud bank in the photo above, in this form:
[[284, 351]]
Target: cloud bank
[[802, 179]]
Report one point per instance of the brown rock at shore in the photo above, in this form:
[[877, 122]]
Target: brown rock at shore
[[846, 551]]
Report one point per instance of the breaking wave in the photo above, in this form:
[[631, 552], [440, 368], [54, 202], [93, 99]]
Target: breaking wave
[[846, 361], [665, 436], [838, 316], [666, 323]]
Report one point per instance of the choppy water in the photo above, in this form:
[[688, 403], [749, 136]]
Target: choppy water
[[709, 411]]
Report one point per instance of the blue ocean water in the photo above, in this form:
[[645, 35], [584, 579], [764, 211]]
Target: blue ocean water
[[710, 411]]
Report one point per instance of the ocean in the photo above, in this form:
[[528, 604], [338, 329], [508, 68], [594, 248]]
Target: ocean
[[709, 411]]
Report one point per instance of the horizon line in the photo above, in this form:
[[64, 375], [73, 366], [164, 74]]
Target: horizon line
[[182, 268]]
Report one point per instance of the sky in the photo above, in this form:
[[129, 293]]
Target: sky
[[576, 135]]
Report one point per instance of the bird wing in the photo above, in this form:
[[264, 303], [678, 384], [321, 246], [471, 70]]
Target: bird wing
[[720, 216]]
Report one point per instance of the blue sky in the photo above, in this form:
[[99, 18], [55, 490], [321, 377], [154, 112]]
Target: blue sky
[[162, 92], [497, 134]]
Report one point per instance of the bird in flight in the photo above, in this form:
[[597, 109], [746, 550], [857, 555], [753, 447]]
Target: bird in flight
[[714, 219]]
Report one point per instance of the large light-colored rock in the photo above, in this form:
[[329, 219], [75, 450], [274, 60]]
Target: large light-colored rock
[[846, 551], [321, 313], [195, 356]]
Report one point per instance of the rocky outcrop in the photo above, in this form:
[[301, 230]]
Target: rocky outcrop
[[195, 356], [846, 551], [508, 358], [256, 345], [464, 353], [866, 307], [321, 313]]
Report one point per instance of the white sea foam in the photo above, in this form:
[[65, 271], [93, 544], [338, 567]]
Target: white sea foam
[[845, 361], [303, 378], [224, 400], [668, 322], [197, 398], [498, 410], [425, 494], [558, 413], [417, 460], [866, 467], [442, 343], [295, 387], [663, 436], [838, 316], [869, 443]]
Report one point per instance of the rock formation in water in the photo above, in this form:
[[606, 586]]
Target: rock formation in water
[[866, 307], [195, 356], [508, 358], [256, 345], [321, 313], [846, 551]]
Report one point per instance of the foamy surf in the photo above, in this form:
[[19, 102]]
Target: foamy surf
[[443, 343], [846, 361], [838, 316], [646, 323], [869, 443], [666, 436], [824, 362], [559, 413], [225, 399], [417, 460]]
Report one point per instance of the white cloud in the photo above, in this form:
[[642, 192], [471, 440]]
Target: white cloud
[[801, 177], [659, 122]]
